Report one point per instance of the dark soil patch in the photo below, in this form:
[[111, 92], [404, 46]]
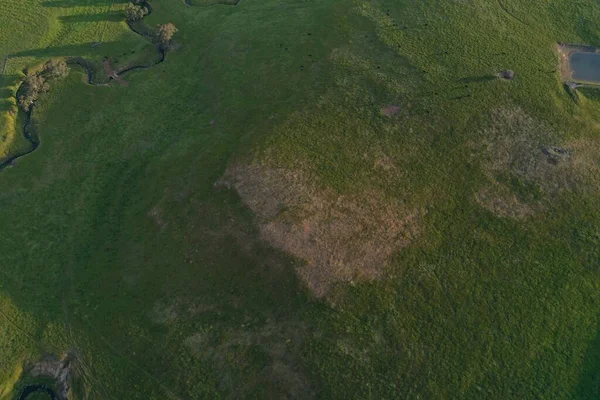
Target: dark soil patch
[[391, 110]]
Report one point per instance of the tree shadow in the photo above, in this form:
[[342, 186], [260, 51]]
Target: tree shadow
[[590, 93], [81, 49], [572, 93], [478, 79], [8, 79], [589, 381], [5, 105], [78, 3], [113, 16], [5, 92]]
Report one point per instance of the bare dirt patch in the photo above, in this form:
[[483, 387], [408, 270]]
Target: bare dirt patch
[[390, 110], [57, 369], [341, 238], [112, 74], [385, 162]]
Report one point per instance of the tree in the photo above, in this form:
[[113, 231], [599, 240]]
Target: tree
[[36, 84], [134, 12], [164, 35], [33, 86], [56, 69]]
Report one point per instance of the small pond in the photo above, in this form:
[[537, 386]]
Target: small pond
[[31, 392], [585, 67]]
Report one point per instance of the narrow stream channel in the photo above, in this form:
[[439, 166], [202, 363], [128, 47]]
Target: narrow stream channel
[[30, 135]]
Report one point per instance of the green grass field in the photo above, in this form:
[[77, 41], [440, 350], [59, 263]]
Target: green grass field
[[411, 226]]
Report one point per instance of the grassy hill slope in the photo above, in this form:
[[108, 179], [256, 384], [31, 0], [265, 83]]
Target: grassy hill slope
[[411, 225]]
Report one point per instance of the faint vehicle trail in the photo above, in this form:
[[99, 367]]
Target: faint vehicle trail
[[129, 359], [189, 4], [510, 14], [17, 327], [69, 295]]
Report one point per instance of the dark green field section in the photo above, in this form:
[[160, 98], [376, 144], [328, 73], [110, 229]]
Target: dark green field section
[[333, 199]]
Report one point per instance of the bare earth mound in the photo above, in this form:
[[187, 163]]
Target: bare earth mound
[[59, 370], [341, 238]]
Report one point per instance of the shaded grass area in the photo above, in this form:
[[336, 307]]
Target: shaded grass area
[[117, 243], [212, 2]]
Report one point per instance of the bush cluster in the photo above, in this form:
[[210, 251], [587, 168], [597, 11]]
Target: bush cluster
[[164, 35], [39, 82], [135, 11]]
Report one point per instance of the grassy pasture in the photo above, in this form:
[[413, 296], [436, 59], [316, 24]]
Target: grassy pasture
[[204, 3], [118, 246]]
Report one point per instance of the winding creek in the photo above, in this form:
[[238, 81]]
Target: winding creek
[[29, 132]]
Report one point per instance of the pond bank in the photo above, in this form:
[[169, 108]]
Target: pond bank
[[31, 389], [579, 65]]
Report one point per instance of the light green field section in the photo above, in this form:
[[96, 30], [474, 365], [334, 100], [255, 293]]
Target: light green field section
[[123, 244]]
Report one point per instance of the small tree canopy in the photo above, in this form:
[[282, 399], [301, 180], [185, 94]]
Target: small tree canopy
[[36, 84], [164, 35], [56, 69], [134, 12], [33, 86]]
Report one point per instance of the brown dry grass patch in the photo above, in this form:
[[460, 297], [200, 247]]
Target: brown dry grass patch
[[341, 238], [499, 200], [518, 146], [391, 110], [522, 146]]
